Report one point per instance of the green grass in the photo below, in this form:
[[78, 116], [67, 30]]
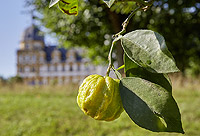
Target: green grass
[[53, 111]]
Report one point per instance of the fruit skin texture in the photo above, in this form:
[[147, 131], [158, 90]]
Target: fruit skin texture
[[99, 98]]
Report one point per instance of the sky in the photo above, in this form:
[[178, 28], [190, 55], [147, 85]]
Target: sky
[[14, 19]]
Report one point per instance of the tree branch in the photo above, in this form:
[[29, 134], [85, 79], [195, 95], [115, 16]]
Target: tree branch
[[125, 23], [110, 55]]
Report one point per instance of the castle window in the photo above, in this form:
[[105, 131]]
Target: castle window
[[32, 82], [82, 66], [75, 66], [78, 69], [71, 57], [26, 69], [59, 67], [70, 68], [48, 68], [40, 83], [63, 68], [66, 67], [51, 68], [42, 56], [56, 68], [56, 58], [27, 58], [87, 68], [32, 69], [20, 69], [37, 45], [43, 68], [34, 58], [20, 59], [41, 59], [26, 46]]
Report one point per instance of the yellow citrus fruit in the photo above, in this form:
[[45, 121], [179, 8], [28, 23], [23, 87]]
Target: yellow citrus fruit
[[99, 98]]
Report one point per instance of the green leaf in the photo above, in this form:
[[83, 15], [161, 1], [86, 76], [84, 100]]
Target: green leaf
[[69, 7], [148, 50], [150, 106], [118, 75], [109, 2], [53, 2], [129, 64], [133, 70]]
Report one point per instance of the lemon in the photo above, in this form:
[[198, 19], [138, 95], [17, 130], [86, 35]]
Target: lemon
[[99, 98]]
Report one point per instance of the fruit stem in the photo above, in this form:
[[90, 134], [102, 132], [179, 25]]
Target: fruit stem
[[110, 55], [110, 58]]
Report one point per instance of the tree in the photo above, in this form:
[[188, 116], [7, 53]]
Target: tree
[[180, 17], [2, 80], [15, 80]]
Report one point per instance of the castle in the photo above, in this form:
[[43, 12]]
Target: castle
[[39, 64]]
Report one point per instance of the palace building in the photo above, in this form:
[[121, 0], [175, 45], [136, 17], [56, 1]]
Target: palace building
[[39, 64]]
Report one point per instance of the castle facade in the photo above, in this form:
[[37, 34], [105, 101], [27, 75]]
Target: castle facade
[[39, 64]]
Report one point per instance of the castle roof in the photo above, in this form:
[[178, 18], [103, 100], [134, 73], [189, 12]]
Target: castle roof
[[49, 50], [32, 33]]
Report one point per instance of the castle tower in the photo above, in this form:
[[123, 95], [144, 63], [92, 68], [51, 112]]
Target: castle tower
[[32, 38], [30, 54]]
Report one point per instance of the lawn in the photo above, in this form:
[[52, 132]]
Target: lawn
[[53, 111]]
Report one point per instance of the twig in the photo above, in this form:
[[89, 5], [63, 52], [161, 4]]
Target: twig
[[125, 23], [110, 55]]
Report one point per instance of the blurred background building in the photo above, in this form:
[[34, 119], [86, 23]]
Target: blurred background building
[[40, 64]]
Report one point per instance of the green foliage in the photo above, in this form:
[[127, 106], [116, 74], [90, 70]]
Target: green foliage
[[193, 69], [15, 80], [2, 80], [146, 90]]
